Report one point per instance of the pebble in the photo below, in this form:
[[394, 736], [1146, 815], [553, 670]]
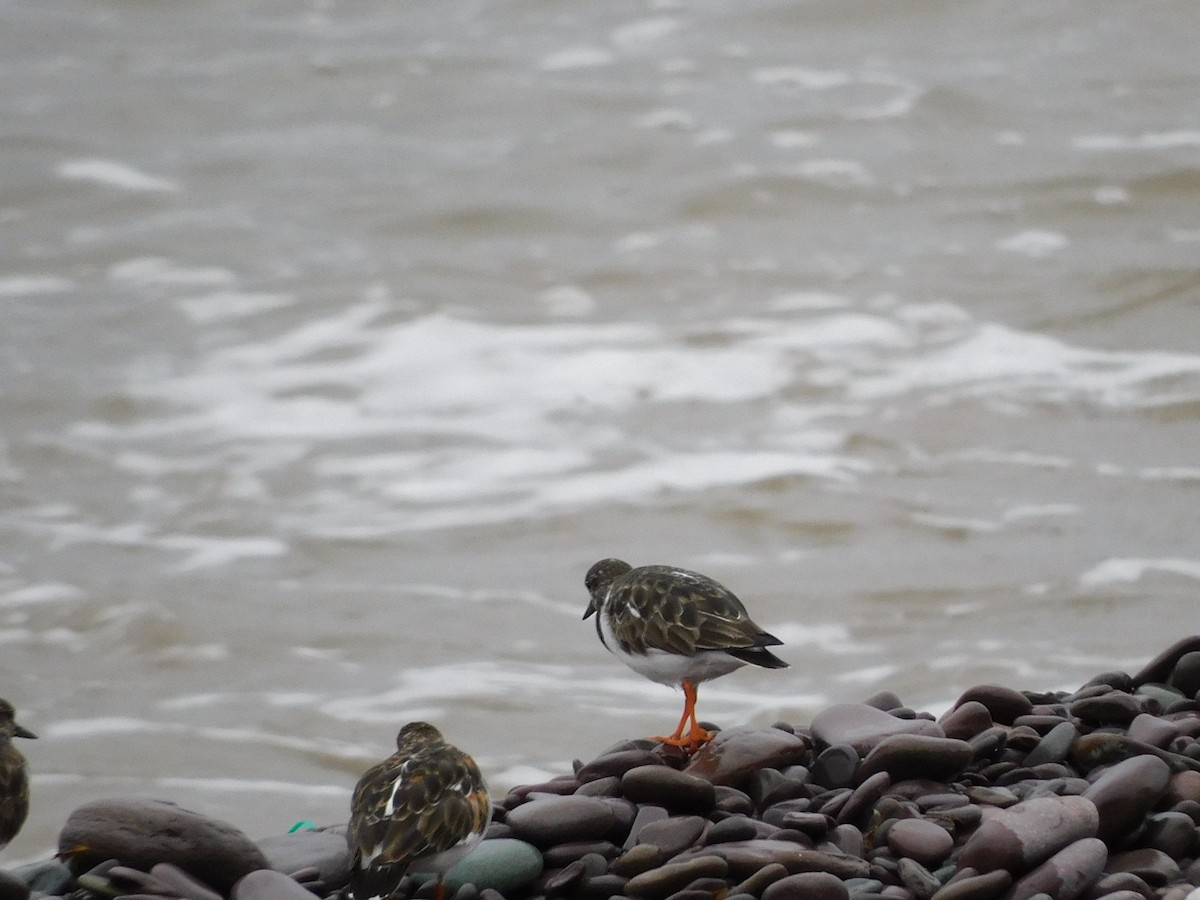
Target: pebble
[[324, 849], [673, 876], [552, 819], [672, 835], [616, 764], [836, 766], [1018, 838], [735, 754], [1054, 745], [639, 859], [919, 839], [807, 886], [675, 790], [1002, 703], [966, 720], [905, 756], [1066, 874], [862, 727], [1123, 794], [12, 887], [1152, 866], [142, 832], [987, 886], [267, 884], [502, 865]]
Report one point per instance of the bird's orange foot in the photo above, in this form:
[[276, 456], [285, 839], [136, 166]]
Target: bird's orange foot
[[690, 742]]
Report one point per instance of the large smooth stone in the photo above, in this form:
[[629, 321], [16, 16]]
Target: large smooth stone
[[502, 864], [987, 886], [326, 851], [926, 842], [1003, 703], [807, 886], [268, 884], [747, 857], [1054, 746], [672, 835], [557, 820], [662, 785], [142, 832], [1160, 668], [1020, 837], [12, 887], [862, 726], [1125, 792], [1152, 866], [737, 753], [905, 756], [1066, 874], [616, 763], [966, 720], [672, 877]]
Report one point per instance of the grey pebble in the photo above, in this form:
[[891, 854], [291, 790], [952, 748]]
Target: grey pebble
[[1153, 866], [552, 819], [920, 840], [807, 886], [675, 790], [674, 876], [1065, 875], [862, 727], [672, 835], [1125, 792], [1054, 746], [905, 756], [1018, 838], [267, 884]]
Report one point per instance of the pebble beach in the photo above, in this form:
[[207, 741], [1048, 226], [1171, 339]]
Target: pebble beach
[[1012, 793]]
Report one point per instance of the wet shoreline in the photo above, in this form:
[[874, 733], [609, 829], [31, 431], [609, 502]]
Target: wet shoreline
[[1092, 793]]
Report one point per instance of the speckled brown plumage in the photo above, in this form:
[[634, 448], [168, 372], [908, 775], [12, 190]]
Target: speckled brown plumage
[[676, 627], [426, 805], [14, 775]]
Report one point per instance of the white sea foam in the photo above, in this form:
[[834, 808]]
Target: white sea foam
[[115, 174], [24, 285], [1128, 570], [492, 422]]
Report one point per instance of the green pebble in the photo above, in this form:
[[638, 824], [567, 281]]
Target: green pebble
[[502, 864]]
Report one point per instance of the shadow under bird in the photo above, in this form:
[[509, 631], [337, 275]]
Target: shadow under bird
[[422, 809], [675, 627], [14, 775]]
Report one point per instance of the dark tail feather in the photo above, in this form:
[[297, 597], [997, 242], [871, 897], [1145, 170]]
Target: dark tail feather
[[759, 656], [374, 882]]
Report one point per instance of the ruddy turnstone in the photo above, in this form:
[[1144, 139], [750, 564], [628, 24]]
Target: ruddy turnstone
[[675, 627], [423, 808], [14, 775]]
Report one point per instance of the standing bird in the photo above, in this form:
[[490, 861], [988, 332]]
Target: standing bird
[[14, 775], [425, 807], [675, 627]]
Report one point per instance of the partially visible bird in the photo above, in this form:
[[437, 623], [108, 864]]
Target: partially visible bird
[[675, 627], [14, 775], [423, 808]]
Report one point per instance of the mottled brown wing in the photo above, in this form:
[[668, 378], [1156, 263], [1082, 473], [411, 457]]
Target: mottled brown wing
[[681, 612], [440, 800], [14, 788]]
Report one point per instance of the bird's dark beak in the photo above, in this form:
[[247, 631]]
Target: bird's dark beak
[[591, 609], [18, 731]]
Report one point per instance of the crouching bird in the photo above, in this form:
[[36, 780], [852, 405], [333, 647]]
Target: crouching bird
[[675, 627], [422, 809], [14, 775]]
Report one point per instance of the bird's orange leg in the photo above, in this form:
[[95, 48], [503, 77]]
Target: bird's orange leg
[[696, 736]]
